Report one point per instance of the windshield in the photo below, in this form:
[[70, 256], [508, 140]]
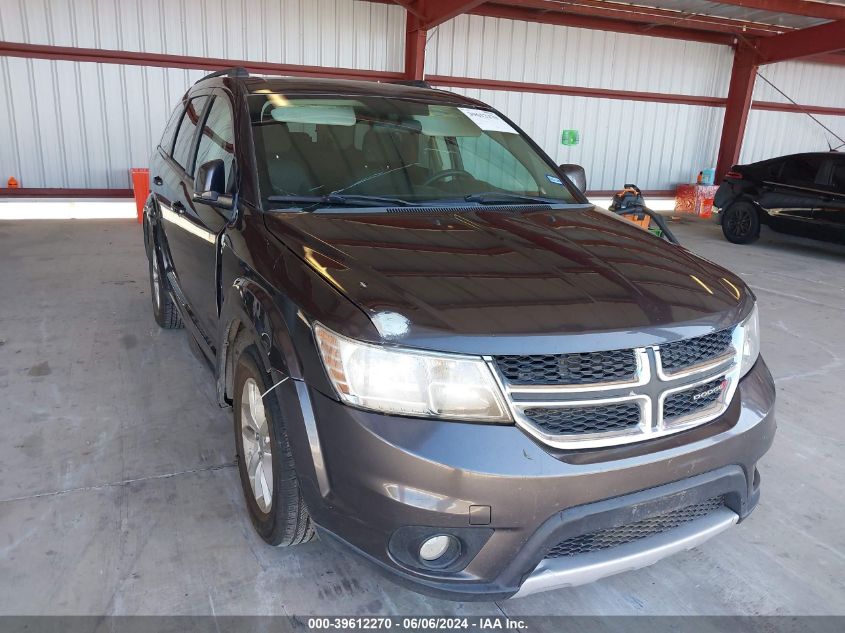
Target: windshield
[[397, 150]]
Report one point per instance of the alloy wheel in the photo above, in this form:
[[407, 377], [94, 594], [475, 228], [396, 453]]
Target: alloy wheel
[[739, 222], [257, 451]]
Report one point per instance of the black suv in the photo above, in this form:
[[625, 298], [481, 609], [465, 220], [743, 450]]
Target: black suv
[[802, 194], [437, 351]]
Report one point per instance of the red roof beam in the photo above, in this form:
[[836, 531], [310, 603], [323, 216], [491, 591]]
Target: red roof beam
[[603, 24], [435, 12], [651, 16], [816, 40], [806, 8]]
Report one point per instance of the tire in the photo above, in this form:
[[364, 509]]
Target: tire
[[164, 309], [277, 510], [741, 223]]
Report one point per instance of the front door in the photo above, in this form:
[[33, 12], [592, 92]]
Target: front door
[[791, 198], [205, 223]]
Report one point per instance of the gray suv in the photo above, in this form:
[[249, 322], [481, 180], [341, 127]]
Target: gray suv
[[437, 352]]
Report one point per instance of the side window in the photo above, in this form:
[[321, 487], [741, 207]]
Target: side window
[[166, 142], [184, 145], [217, 139], [489, 161], [800, 171]]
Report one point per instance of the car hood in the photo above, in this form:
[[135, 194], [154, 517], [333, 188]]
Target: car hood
[[478, 280]]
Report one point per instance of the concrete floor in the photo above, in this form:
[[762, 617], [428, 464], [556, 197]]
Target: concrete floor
[[118, 493]]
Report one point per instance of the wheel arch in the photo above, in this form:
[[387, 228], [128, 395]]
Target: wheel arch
[[149, 221], [250, 310]]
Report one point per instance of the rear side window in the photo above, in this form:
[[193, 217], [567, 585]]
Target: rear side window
[[217, 139], [184, 145], [166, 142], [801, 171]]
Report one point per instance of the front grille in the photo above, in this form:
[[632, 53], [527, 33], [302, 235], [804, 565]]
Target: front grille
[[569, 369], [691, 400], [693, 351], [583, 420], [614, 536]]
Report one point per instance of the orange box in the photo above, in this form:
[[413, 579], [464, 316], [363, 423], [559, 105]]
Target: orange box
[[141, 188], [695, 199]]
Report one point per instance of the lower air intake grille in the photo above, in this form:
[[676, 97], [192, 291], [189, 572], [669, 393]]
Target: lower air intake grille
[[692, 351], [612, 537], [569, 369], [693, 399], [585, 420]]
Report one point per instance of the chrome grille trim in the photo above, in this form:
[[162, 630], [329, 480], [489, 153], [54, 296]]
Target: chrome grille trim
[[641, 377], [649, 390], [586, 440], [703, 415]]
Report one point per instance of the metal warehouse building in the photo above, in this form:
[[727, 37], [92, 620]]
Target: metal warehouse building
[[87, 85], [296, 323]]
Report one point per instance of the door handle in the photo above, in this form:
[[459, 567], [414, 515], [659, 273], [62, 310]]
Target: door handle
[[158, 181], [179, 208]]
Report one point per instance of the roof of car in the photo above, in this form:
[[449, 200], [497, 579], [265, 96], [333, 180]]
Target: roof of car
[[827, 154], [311, 86]]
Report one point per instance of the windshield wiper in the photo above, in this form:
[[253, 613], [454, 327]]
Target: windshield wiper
[[485, 197], [336, 199]]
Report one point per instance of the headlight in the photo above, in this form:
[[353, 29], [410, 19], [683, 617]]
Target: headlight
[[749, 342], [410, 382]]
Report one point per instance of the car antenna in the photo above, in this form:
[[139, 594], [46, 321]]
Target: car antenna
[[804, 110]]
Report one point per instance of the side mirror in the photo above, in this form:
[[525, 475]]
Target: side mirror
[[210, 183], [576, 174]]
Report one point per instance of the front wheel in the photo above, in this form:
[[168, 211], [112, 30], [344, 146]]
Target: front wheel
[[741, 223], [268, 475]]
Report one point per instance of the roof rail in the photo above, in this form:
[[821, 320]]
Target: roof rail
[[415, 83], [235, 71]]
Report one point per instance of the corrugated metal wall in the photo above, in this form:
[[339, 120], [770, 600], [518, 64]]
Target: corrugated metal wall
[[654, 145], [510, 50], [776, 133], [81, 125], [335, 33]]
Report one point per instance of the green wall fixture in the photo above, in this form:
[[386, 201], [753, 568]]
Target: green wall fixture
[[569, 137]]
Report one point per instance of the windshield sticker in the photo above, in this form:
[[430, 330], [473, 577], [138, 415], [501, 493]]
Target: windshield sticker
[[554, 180], [489, 121]]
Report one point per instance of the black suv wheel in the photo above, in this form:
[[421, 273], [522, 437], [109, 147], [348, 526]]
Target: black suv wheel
[[741, 224], [268, 475]]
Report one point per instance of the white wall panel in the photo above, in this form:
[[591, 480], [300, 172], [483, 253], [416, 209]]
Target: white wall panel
[[769, 134], [495, 48], [78, 125], [804, 82], [339, 33], [83, 125], [654, 145]]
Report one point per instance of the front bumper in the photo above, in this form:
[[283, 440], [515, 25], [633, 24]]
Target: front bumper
[[381, 473]]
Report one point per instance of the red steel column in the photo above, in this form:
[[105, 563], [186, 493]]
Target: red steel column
[[736, 109], [414, 48]]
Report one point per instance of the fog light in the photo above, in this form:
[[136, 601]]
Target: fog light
[[435, 547]]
